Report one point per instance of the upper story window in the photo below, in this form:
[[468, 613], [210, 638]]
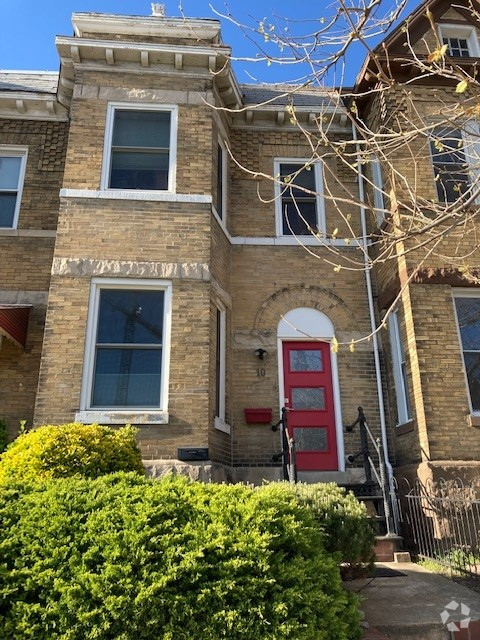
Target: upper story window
[[127, 346], [404, 412], [378, 198], [467, 306], [221, 182], [12, 173], [461, 40], [299, 205], [140, 148], [449, 164]]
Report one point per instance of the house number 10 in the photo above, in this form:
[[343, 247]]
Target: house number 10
[[260, 372]]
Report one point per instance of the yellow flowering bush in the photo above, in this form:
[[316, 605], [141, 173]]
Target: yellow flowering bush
[[59, 451]]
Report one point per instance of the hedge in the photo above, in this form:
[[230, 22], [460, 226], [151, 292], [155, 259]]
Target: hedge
[[88, 450], [122, 557], [348, 530]]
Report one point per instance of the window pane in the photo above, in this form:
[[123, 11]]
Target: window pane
[[308, 398], [220, 162], [141, 129], [7, 208], [132, 170], [472, 365], [305, 177], [468, 313], [9, 172], [306, 360], [310, 439], [299, 217], [127, 378], [130, 317]]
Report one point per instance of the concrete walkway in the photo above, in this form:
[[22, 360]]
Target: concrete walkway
[[410, 606]]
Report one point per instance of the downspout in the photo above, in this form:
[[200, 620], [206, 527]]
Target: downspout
[[373, 328]]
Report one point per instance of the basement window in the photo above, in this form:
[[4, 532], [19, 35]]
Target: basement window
[[12, 173], [140, 148]]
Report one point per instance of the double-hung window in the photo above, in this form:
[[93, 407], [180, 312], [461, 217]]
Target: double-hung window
[[299, 205], [140, 148], [449, 164], [404, 413], [221, 182], [127, 346], [12, 173], [378, 198], [467, 307]]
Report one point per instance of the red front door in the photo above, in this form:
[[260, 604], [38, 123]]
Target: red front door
[[309, 398]]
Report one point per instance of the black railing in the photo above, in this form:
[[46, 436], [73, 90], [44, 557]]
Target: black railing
[[378, 470], [287, 454], [441, 520]]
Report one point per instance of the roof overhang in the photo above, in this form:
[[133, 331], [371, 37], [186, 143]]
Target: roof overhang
[[212, 60], [196, 29], [14, 322]]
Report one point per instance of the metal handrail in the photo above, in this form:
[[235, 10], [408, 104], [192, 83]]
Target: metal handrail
[[288, 452], [369, 465]]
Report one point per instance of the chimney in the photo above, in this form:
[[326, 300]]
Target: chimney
[[158, 10]]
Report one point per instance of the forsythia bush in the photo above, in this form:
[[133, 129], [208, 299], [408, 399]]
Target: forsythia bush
[[122, 557], [70, 449], [344, 521]]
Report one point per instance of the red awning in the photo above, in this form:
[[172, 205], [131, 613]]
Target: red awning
[[14, 322]]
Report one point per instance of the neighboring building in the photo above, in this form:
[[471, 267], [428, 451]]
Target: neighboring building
[[166, 287]]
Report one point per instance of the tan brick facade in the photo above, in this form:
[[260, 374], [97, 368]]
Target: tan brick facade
[[74, 233]]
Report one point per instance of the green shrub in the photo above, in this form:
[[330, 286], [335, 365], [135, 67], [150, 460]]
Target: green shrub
[[127, 558], [70, 449], [343, 519], [3, 435]]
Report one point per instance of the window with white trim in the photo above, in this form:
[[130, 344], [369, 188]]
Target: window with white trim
[[461, 40], [127, 345], [220, 344], [404, 412], [298, 197], [378, 197], [221, 181], [12, 174], [453, 156], [140, 148], [467, 307]]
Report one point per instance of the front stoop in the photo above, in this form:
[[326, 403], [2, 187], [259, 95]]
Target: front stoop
[[386, 547]]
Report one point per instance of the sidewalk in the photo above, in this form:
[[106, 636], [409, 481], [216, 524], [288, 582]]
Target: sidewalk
[[410, 606]]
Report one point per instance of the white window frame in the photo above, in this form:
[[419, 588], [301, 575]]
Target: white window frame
[[470, 134], [465, 32], [404, 413], [378, 196], [464, 293], [148, 415], [107, 148], [318, 171], [220, 372], [222, 214], [16, 152]]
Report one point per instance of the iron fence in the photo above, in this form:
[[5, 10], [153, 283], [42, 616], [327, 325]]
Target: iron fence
[[441, 520]]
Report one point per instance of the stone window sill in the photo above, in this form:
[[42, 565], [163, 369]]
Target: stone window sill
[[406, 427], [221, 425], [473, 420], [122, 417]]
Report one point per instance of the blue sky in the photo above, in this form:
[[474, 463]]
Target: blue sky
[[28, 29]]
